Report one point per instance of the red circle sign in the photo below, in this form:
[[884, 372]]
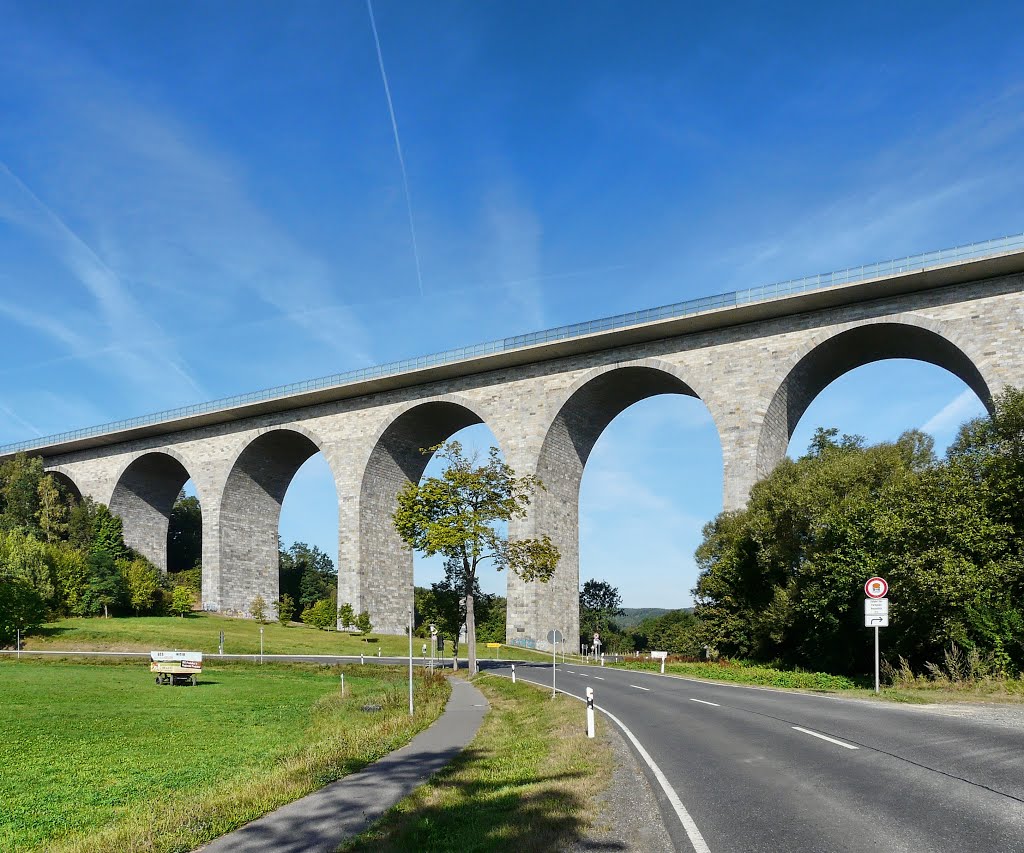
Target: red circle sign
[[876, 587]]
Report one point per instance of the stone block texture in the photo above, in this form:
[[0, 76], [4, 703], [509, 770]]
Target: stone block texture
[[756, 379]]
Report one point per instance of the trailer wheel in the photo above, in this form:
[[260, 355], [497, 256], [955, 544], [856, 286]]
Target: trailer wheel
[[158, 679]]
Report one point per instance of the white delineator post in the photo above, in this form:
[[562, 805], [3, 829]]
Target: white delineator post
[[590, 712], [513, 673]]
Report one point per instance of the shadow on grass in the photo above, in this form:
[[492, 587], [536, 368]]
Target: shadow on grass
[[48, 631], [524, 813]]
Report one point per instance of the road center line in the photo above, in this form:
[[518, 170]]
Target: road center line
[[826, 737], [599, 678], [638, 687], [702, 702]]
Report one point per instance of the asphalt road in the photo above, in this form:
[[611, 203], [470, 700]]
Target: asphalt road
[[756, 772]]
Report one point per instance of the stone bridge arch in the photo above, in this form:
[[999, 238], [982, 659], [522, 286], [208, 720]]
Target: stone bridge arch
[[383, 584], [249, 513], [828, 356], [144, 493], [577, 419], [65, 479]]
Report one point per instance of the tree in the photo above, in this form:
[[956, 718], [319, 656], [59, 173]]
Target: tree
[[258, 609], [600, 602], [82, 523], [185, 534], [105, 586], [346, 615], [457, 515], [181, 601], [108, 533], [141, 583], [53, 511], [285, 609], [19, 492], [323, 615], [363, 623]]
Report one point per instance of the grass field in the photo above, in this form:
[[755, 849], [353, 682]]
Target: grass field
[[528, 782], [95, 756], [200, 632]]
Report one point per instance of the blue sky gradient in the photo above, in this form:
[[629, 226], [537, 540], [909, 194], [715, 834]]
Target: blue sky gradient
[[198, 200]]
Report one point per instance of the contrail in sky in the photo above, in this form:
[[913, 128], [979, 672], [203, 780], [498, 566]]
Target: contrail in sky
[[398, 147]]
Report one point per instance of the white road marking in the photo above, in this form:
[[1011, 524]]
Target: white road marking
[[571, 671], [599, 678], [826, 737], [692, 832], [638, 687], [702, 702], [584, 675]]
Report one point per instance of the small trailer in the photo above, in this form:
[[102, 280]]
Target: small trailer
[[176, 667]]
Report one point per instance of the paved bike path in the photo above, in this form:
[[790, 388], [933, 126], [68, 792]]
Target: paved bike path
[[325, 818]]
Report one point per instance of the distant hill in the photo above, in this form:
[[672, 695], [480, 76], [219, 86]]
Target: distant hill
[[633, 616]]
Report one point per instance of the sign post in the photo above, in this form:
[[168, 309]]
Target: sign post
[[410, 662], [876, 615], [554, 637], [597, 645], [433, 645], [261, 644]]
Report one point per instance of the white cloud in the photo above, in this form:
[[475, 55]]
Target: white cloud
[[964, 406]]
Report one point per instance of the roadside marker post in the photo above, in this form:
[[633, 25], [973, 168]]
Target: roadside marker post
[[590, 712], [261, 644], [222, 644], [876, 615], [513, 673], [554, 637], [19, 644], [343, 684]]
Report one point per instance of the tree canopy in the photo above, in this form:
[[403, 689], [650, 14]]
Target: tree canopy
[[461, 515], [783, 578]]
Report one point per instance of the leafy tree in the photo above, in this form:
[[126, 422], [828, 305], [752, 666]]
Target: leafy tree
[[258, 609], [182, 601], [323, 615], [141, 583], [19, 492], [54, 510], [457, 515], [104, 588], [285, 609], [82, 523], [21, 606], [108, 533], [346, 615], [71, 576], [185, 534], [363, 623], [306, 573], [191, 578], [600, 603]]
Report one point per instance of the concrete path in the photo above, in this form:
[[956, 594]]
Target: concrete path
[[325, 818]]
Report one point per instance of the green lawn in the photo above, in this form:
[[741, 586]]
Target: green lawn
[[529, 782], [200, 632], [95, 756]]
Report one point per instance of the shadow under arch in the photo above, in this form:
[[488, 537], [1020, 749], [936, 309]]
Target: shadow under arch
[[65, 481], [591, 405], [845, 351], [249, 517], [384, 582], [144, 496]]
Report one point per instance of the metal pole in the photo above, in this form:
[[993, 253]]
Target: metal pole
[[553, 666], [876, 659], [410, 662], [261, 644], [19, 644], [343, 684]]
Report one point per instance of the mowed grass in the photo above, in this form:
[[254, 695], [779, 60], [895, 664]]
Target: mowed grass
[[201, 632], [96, 757], [529, 781]]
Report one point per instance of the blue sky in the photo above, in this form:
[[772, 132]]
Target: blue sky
[[198, 200]]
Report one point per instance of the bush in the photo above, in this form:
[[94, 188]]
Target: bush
[[321, 615]]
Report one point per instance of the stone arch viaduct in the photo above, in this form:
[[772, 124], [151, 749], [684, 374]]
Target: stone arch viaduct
[[755, 358]]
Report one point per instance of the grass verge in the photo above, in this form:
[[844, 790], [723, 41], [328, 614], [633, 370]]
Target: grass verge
[[764, 676], [528, 782], [96, 757]]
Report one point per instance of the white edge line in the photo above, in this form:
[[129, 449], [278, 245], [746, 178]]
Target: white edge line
[[638, 687], [826, 737], [692, 832], [704, 702]]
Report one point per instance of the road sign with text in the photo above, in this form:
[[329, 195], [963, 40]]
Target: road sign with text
[[876, 612]]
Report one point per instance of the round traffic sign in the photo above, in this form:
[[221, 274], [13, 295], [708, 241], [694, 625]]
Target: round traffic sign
[[876, 587]]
